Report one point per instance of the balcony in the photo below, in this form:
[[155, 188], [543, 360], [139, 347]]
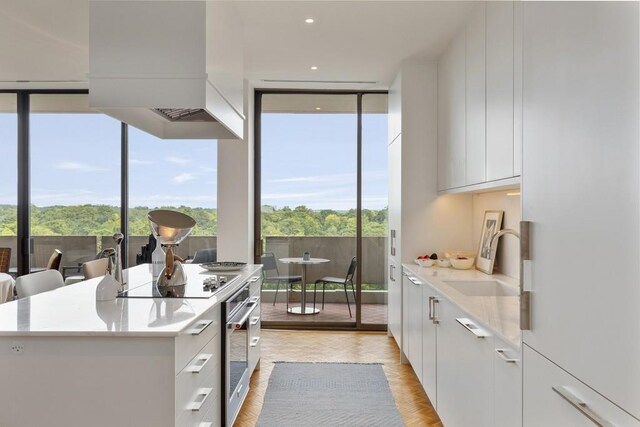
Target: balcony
[[339, 250]]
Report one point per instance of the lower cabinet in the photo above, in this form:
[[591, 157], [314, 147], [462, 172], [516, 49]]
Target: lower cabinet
[[465, 370], [430, 321], [554, 398], [412, 321], [394, 303], [507, 384], [471, 377]]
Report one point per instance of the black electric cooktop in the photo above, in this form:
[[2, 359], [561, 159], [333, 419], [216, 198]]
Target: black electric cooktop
[[198, 287]]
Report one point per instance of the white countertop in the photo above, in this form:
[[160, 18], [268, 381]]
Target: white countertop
[[501, 315], [73, 310]]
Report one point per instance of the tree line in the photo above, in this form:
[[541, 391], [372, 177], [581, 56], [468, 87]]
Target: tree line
[[104, 220]]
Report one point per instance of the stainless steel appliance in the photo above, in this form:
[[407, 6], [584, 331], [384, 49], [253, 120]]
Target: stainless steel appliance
[[170, 228], [237, 332]]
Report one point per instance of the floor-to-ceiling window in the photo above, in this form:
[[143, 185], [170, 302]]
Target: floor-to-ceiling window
[[309, 202], [8, 174], [75, 180], [178, 175], [374, 207], [64, 161]]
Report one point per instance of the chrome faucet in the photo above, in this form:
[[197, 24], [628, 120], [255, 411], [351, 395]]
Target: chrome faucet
[[495, 237]]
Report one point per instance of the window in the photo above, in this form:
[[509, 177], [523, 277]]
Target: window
[[178, 175], [75, 180]]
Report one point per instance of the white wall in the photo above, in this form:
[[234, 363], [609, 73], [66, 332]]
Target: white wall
[[508, 255], [235, 191]]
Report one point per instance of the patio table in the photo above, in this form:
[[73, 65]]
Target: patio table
[[303, 309]]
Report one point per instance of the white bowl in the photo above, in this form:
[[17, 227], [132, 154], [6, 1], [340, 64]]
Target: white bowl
[[462, 264], [425, 262], [444, 263]]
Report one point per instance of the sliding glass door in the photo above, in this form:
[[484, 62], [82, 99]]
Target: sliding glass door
[[309, 154]]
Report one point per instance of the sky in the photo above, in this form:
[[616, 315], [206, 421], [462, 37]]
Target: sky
[[308, 159]]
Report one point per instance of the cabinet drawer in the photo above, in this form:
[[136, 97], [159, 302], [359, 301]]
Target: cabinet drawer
[[255, 284], [254, 342], [507, 388], [198, 385], [195, 337], [553, 397]]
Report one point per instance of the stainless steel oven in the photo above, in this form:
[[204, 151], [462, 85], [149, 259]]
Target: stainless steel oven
[[237, 314]]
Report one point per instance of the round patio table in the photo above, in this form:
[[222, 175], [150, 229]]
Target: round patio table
[[303, 309]]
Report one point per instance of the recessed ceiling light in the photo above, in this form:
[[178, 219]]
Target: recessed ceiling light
[[309, 20], [314, 68], [318, 108]]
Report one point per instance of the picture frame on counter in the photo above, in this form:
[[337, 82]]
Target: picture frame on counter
[[491, 224]]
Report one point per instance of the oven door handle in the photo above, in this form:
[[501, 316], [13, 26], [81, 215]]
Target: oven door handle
[[233, 325]]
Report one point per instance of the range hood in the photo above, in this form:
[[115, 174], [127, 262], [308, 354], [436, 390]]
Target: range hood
[[173, 69]]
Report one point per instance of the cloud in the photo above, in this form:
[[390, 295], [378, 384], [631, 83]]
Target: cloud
[[139, 162], [207, 169], [80, 167], [331, 178], [183, 177], [177, 160]]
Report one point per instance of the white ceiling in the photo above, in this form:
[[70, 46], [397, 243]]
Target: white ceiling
[[47, 41]]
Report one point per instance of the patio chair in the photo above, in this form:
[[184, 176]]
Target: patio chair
[[204, 255], [269, 264], [348, 280], [54, 260], [5, 259]]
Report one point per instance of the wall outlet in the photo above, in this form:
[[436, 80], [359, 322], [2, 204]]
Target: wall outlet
[[17, 348]]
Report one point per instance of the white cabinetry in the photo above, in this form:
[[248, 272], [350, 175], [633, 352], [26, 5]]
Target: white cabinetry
[[430, 301], [507, 384], [553, 398], [451, 115], [475, 97], [255, 324], [465, 375], [412, 322], [581, 164], [480, 101], [394, 303], [499, 90], [412, 166]]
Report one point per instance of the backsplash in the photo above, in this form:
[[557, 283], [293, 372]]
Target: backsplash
[[508, 256]]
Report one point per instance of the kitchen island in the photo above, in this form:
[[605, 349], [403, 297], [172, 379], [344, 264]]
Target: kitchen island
[[69, 360]]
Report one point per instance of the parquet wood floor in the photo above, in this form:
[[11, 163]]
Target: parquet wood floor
[[338, 346]]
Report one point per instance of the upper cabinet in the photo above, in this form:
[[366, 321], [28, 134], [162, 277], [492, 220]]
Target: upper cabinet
[[476, 97], [499, 54], [480, 99], [451, 115]]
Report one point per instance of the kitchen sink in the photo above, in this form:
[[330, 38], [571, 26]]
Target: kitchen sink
[[483, 288]]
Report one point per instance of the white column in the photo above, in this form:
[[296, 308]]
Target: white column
[[235, 191]]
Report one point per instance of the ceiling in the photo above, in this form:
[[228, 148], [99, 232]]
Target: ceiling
[[46, 42]]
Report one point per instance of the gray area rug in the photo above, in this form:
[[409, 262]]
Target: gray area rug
[[328, 394]]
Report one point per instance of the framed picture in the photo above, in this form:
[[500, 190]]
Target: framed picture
[[486, 254]]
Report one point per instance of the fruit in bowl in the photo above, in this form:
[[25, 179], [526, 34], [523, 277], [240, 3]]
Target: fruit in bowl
[[462, 262], [424, 262]]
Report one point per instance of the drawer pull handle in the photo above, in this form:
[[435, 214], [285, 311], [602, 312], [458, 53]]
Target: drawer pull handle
[[581, 406], [203, 393], [255, 320], [471, 327], [200, 327], [254, 279], [205, 425], [502, 354], [254, 300], [254, 342], [201, 361]]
